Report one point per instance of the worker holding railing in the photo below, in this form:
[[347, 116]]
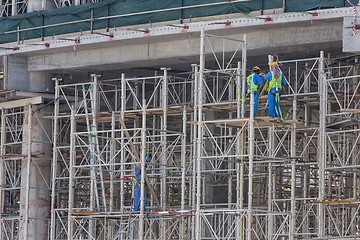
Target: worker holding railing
[[276, 80], [253, 82]]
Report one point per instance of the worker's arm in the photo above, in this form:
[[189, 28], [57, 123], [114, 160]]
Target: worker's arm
[[258, 80], [268, 76], [283, 80]]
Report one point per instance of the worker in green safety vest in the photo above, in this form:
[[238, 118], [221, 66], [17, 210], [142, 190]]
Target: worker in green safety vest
[[276, 80], [254, 80]]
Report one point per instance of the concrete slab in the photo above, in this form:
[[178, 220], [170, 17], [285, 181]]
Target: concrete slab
[[166, 44]]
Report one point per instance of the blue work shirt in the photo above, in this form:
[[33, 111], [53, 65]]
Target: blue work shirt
[[257, 79], [268, 77]]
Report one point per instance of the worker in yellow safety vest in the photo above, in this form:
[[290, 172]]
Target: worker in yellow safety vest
[[276, 80], [254, 80]]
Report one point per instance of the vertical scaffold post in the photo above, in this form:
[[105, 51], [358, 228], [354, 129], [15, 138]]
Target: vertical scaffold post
[[28, 170], [200, 133], [293, 183], [54, 160], [251, 162], [2, 170], [322, 144], [112, 171], [143, 156], [241, 113], [14, 7], [271, 183], [237, 152], [164, 156], [243, 75], [293, 166], [183, 171], [122, 151], [164, 139], [71, 174], [122, 136], [194, 152]]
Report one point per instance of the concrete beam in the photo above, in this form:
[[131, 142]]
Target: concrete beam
[[165, 32], [163, 43], [125, 55], [22, 102]]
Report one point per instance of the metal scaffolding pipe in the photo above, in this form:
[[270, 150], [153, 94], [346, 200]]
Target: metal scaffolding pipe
[[2, 169], [322, 144], [249, 222], [199, 147], [54, 161], [142, 164]]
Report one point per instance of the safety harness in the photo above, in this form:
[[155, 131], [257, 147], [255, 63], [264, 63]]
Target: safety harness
[[136, 182], [250, 83]]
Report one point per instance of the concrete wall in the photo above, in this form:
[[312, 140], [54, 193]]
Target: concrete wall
[[17, 74], [351, 42], [20, 79]]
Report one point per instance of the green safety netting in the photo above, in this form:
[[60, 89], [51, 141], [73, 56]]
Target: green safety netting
[[122, 7]]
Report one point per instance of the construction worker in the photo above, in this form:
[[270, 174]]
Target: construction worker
[[276, 80], [253, 82], [137, 180]]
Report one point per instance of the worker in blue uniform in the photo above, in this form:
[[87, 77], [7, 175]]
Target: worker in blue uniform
[[254, 80], [276, 80], [137, 181]]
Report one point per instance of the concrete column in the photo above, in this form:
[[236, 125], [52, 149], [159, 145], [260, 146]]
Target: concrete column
[[41, 82], [35, 176], [38, 5]]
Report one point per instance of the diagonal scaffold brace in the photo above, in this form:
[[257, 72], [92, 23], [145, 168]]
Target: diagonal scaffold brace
[[138, 160]]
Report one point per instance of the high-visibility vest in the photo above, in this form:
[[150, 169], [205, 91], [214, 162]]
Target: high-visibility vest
[[250, 83], [275, 82]]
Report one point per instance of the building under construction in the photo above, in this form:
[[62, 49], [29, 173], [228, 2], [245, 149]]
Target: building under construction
[[90, 89]]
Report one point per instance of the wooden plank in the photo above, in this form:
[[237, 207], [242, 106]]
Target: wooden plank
[[348, 110]]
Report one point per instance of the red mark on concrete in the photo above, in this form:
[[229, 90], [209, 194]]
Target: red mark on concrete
[[228, 26], [269, 20]]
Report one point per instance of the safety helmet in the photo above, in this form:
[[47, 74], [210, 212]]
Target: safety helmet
[[274, 63], [147, 159], [256, 68]]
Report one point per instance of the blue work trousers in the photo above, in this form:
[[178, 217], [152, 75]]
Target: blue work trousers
[[256, 100], [274, 104], [137, 198]]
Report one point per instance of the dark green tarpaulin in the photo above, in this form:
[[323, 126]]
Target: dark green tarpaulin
[[121, 7]]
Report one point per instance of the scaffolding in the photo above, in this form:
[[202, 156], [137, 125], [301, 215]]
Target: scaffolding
[[16, 7], [25, 155], [215, 170]]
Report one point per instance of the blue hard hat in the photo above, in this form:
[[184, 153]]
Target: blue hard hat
[[147, 159]]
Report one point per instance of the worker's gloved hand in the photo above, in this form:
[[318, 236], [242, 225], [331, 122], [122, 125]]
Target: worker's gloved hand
[[266, 87]]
